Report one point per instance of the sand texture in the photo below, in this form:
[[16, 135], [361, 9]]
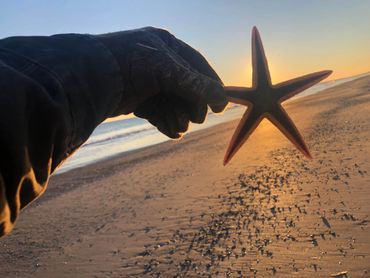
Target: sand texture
[[173, 210]]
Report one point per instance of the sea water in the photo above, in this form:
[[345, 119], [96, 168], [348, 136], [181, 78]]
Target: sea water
[[112, 138]]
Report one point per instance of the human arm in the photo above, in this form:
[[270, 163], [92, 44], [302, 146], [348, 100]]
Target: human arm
[[55, 90]]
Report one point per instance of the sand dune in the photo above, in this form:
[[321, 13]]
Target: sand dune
[[173, 210]]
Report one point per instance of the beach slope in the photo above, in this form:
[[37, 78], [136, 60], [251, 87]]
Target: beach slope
[[173, 210]]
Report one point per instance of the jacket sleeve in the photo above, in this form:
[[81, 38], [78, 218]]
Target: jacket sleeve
[[54, 90], [30, 122]]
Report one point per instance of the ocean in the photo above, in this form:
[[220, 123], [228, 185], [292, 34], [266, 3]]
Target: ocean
[[116, 137]]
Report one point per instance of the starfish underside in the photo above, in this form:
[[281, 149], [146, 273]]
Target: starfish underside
[[264, 101]]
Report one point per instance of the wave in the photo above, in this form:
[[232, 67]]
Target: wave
[[122, 132]]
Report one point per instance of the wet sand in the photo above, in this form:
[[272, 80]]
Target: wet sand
[[173, 210]]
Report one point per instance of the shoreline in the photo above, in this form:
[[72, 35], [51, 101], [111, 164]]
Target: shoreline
[[326, 86]]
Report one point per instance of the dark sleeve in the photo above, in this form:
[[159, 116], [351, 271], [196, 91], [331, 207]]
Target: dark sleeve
[[30, 123], [85, 68], [53, 92]]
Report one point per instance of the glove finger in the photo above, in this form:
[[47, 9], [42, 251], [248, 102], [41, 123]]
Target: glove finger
[[194, 111], [176, 118], [198, 112], [195, 87], [160, 114], [182, 120], [163, 126]]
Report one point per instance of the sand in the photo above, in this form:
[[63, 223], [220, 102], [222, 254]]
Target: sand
[[173, 210]]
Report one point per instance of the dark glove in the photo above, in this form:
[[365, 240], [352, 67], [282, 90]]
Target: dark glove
[[168, 82]]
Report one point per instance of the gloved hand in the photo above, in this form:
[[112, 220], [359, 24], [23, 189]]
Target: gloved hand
[[167, 81]]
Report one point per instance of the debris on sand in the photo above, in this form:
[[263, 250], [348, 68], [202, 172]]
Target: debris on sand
[[342, 274], [326, 222]]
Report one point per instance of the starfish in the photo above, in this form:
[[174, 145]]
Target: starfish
[[264, 101]]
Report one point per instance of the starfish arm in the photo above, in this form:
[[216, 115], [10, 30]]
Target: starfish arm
[[239, 95], [261, 73], [283, 122], [290, 88], [249, 122]]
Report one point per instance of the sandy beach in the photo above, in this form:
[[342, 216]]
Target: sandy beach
[[173, 210]]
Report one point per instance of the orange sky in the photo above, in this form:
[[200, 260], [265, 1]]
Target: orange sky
[[284, 66]]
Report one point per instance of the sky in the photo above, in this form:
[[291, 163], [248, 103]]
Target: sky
[[299, 37]]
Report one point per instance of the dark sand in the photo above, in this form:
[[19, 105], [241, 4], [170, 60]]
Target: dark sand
[[173, 210]]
